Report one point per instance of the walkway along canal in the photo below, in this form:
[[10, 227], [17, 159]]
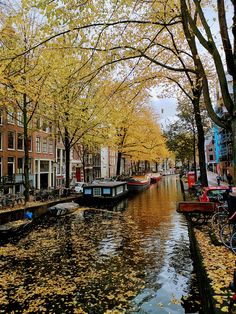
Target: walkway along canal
[[134, 259]]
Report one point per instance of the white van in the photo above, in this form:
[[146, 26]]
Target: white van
[[78, 187]]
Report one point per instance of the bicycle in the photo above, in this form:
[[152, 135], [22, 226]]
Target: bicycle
[[220, 217], [233, 243], [19, 198], [7, 201], [227, 231]]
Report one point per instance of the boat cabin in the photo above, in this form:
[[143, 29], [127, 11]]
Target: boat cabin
[[105, 190]]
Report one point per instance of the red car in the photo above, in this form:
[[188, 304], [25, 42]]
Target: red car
[[212, 193]]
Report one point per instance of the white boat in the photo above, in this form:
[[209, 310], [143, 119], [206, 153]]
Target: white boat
[[63, 208]]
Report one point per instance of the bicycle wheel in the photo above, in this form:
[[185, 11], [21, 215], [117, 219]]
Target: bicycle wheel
[[233, 242], [50, 198], [218, 220], [225, 234]]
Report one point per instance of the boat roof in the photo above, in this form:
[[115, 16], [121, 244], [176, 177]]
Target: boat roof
[[70, 205], [106, 184]]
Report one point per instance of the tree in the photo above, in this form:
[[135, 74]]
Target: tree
[[196, 24], [22, 79], [181, 142], [132, 127]]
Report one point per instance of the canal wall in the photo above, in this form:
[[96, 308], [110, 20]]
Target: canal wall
[[37, 209], [202, 279]]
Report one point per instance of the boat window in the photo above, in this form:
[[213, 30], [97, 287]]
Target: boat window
[[88, 191], [119, 189], [106, 191], [97, 191]]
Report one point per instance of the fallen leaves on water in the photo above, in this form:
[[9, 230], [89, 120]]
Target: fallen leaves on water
[[72, 267]]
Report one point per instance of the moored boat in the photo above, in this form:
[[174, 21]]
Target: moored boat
[[63, 208], [138, 184], [102, 192], [14, 227], [155, 177]]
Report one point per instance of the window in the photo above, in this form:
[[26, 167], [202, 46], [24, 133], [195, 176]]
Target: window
[[45, 146], [58, 153], [11, 140], [97, 191], [44, 166], [0, 141], [0, 167], [211, 157], [20, 141], [10, 117], [50, 146], [38, 144], [20, 165], [106, 191], [20, 120], [10, 166]]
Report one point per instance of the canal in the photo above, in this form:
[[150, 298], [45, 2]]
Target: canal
[[132, 259]]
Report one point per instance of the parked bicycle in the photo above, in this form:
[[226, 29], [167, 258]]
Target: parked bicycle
[[220, 217], [46, 195], [227, 231], [19, 198], [7, 201], [233, 242]]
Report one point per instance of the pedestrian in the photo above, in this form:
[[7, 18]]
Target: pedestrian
[[218, 178], [229, 178]]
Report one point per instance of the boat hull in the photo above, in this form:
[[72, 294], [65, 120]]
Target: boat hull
[[14, 227], [135, 185], [63, 209]]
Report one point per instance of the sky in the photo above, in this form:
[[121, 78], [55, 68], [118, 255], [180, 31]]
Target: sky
[[166, 109]]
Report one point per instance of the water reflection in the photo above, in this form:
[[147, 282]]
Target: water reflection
[[102, 261]]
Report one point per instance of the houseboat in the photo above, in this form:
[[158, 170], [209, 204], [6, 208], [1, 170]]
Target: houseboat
[[104, 192]]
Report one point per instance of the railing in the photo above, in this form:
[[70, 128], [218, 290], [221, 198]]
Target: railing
[[9, 179]]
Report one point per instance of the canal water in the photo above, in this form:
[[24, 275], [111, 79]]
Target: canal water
[[132, 259]]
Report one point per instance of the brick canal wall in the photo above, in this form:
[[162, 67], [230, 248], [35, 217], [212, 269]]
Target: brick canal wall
[[37, 209]]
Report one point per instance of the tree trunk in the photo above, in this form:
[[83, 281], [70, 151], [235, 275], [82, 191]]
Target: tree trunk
[[67, 152], [118, 163], [26, 150], [200, 143], [233, 125]]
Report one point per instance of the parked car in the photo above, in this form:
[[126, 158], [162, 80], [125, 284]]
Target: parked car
[[78, 187], [213, 193]]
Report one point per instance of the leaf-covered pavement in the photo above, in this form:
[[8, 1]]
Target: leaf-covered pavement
[[219, 263]]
